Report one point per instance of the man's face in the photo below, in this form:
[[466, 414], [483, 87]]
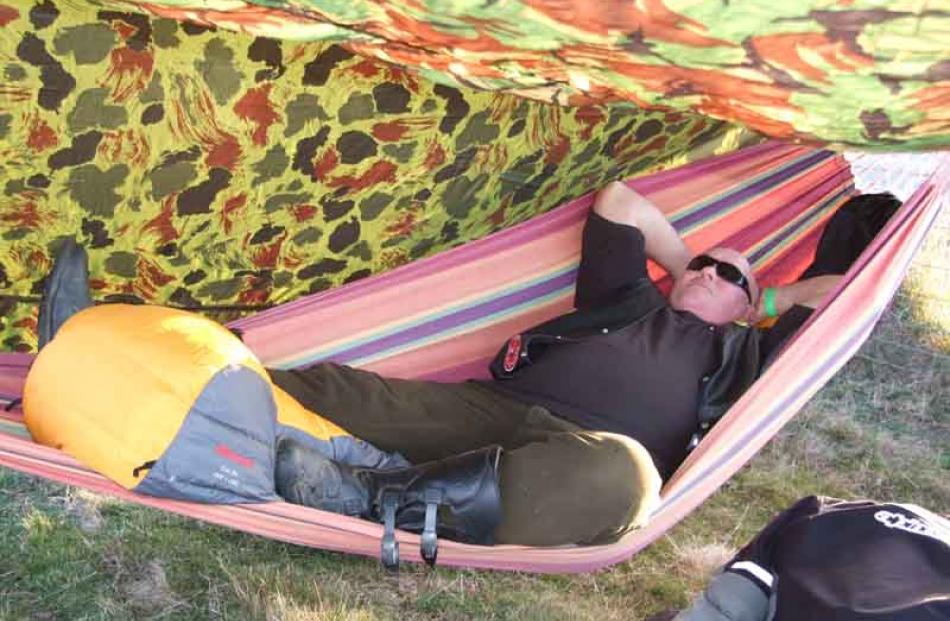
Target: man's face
[[711, 298]]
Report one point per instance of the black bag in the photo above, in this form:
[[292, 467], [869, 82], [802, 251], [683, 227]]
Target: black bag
[[855, 561], [849, 231]]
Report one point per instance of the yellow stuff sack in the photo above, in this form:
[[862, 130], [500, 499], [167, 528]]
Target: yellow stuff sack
[[167, 403]]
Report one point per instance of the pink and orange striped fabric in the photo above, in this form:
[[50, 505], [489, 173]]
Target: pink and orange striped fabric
[[442, 318], [768, 201]]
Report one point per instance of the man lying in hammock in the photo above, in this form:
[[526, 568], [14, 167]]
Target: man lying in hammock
[[594, 408], [587, 413]]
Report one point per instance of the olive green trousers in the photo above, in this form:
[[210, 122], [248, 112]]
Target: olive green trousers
[[559, 484]]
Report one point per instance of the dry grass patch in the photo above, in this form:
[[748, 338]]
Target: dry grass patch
[[698, 560], [140, 587], [85, 507]]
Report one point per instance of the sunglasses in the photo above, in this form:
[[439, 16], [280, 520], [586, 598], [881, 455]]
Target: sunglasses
[[726, 271]]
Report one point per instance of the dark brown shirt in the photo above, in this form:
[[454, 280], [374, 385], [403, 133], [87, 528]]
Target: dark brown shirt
[[641, 380]]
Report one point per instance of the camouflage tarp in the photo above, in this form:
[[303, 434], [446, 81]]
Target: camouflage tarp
[[208, 168], [865, 73]]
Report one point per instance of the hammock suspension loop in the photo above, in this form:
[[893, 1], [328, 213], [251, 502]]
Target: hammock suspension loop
[[389, 547], [429, 544]]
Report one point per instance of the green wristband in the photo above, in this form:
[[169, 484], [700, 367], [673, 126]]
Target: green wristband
[[768, 302]]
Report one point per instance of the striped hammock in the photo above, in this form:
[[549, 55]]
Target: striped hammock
[[442, 318]]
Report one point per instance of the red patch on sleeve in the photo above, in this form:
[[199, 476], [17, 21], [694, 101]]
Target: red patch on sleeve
[[512, 353]]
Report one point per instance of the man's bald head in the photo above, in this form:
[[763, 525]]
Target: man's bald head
[[710, 297]]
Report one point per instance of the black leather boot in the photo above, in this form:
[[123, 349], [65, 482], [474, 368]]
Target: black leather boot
[[457, 497], [66, 291]]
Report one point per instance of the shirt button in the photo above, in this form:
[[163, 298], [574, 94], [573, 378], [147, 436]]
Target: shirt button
[[712, 328], [604, 330]]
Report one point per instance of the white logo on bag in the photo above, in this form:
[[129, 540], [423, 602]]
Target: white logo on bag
[[909, 524]]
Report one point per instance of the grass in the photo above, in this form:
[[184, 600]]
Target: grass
[[879, 429]]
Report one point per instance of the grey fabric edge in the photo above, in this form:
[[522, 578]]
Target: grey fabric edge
[[728, 597], [225, 448]]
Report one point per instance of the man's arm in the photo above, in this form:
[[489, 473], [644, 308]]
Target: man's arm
[[620, 204], [809, 292]]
